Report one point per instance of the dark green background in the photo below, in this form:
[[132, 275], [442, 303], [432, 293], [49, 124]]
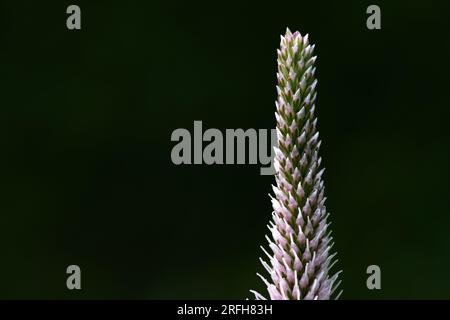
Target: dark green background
[[85, 124]]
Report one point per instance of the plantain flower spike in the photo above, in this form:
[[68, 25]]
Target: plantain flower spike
[[301, 259]]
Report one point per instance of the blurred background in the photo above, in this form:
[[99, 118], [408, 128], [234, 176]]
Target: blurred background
[[86, 118]]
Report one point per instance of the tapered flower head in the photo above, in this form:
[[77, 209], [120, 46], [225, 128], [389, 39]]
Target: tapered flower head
[[300, 242]]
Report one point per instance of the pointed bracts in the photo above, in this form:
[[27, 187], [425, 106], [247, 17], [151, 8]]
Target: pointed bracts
[[299, 264]]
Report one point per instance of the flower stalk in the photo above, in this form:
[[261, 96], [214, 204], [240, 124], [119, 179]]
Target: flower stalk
[[301, 259]]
